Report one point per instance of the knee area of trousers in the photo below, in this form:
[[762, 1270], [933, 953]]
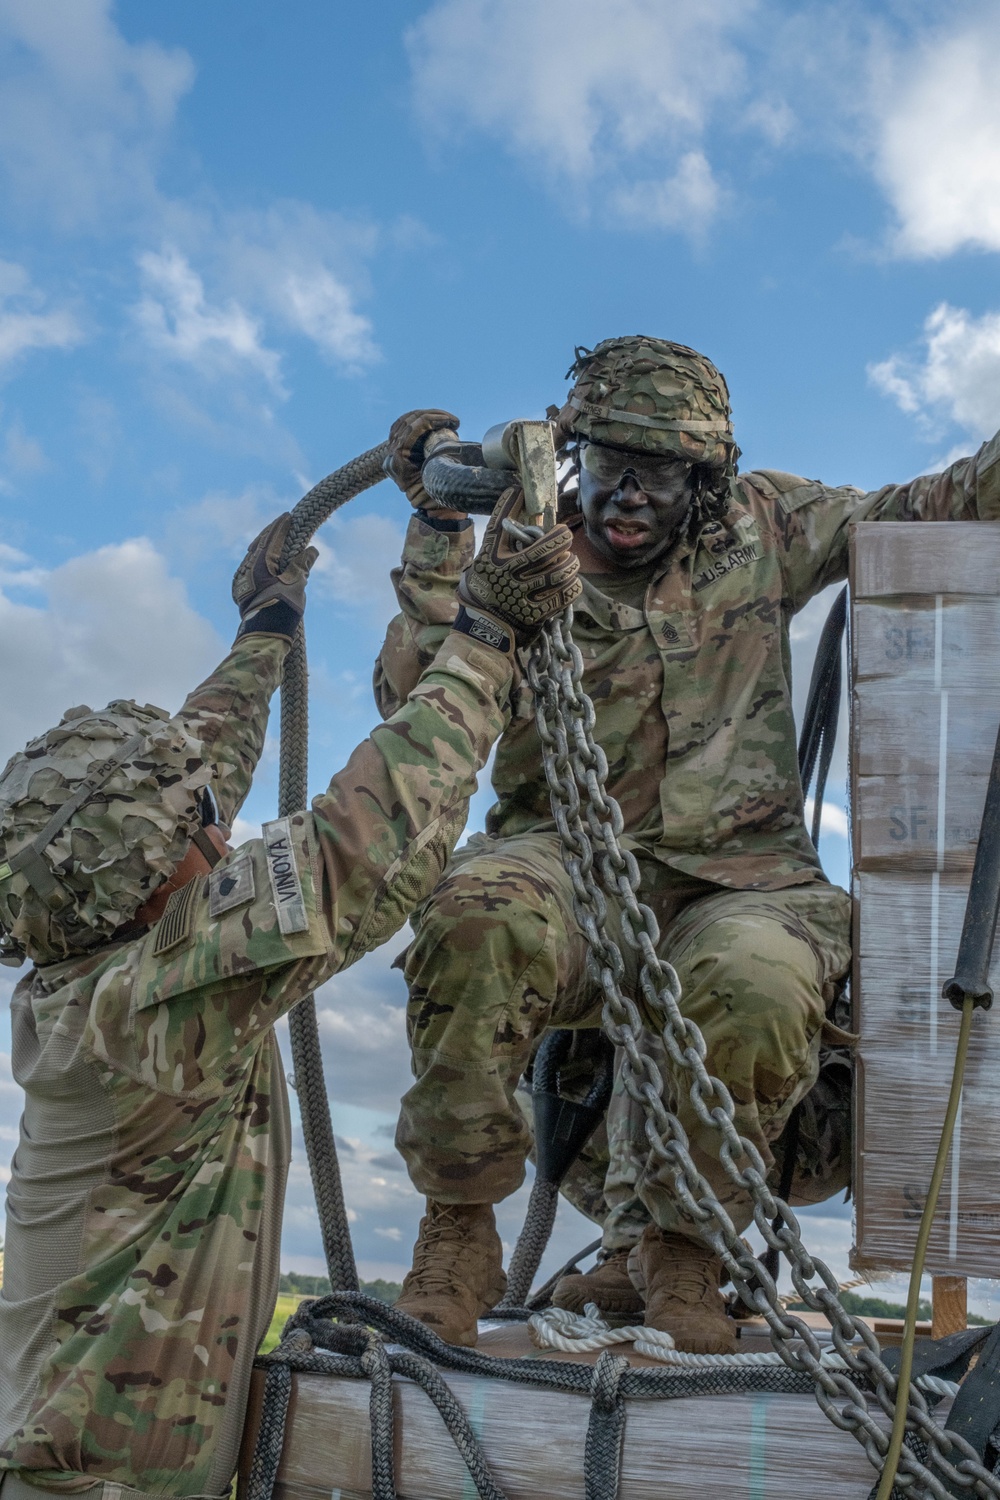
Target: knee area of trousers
[[756, 968], [466, 917]]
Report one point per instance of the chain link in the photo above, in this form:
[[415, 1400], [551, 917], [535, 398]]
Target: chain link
[[589, 822]]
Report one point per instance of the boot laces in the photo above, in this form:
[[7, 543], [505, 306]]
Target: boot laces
[[442, 1248], [693, 1283]]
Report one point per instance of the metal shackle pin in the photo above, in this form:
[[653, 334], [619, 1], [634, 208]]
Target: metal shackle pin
[[527, 446]]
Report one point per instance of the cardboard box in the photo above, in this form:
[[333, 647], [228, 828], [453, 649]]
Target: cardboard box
[[925, 558], [925, 709], [912, 821], [934, 640]]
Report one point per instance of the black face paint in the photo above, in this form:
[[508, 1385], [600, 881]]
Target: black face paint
[[634, 505]]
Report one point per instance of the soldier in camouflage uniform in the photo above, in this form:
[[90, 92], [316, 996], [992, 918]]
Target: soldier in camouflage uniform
[[144, 1205], [691, 579]]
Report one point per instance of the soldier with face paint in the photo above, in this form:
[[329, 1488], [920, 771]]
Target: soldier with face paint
[[691, 577], [144, 1203]]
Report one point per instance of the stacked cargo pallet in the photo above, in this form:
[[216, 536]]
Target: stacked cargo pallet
[[925, 646]]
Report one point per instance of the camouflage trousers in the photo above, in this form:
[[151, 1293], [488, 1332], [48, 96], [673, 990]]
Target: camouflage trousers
[[498, 957], [603, 1181]]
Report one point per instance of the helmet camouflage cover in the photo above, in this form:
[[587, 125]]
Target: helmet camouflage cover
[[123, 842], [651, 396]]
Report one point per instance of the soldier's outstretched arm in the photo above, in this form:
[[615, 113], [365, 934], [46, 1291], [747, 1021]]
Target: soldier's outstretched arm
[[813, 520], [389, 821], [239, 947], [229, 711], [437, 550]]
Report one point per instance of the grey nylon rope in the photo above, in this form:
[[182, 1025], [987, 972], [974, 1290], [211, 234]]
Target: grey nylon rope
[[307, 1058], [602, 1454], [531, 1242]]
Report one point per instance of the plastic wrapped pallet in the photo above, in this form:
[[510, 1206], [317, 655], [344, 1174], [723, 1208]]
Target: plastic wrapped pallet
[[925, 642], [693, 1448]]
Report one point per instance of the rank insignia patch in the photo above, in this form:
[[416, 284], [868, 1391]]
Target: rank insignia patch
[[232, 884]]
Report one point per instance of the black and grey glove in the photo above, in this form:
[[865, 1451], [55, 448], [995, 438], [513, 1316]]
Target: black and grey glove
[[271, 599], [509, 591]]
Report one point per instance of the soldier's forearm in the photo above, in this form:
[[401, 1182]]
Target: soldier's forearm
[[416, 770], [425, 583], [229, 713]]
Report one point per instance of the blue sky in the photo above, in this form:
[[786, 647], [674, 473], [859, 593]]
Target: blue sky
[[237, 240]]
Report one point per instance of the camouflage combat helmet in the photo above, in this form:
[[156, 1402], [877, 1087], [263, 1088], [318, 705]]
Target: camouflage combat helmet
[[94, 815], [651, 396]]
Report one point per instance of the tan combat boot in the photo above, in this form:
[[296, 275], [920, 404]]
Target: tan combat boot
[[457, 1270], [608, 1285], [680, 1281]]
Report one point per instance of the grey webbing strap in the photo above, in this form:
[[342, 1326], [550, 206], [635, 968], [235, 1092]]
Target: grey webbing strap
[[609, 414], [28, 861], [201, 841]]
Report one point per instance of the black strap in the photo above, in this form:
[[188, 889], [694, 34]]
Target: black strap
[[482, 627], [975, 1411], [276, 618], [443, 523], [201, 841], [822, 715], [772, 1258], [948, 1358]]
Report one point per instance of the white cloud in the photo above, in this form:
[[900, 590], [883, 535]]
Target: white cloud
[[176, 319], [83, 111], [301, 268], [221, 522], [319, 306], [833, 819], [584, 88], [937, 135], [85, 116], [111, 624], [361, 1015], [688, 200], [24, 322], [956, 378], [621, 102], [289, 269]]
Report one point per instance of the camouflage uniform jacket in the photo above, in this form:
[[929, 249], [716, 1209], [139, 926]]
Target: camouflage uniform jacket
[[692, 692], [144, 1208]]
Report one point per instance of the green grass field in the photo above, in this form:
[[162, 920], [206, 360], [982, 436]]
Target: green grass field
[[286, 1306], [288, 1300]]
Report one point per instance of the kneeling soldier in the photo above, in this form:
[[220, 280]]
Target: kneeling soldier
[[144, 1205]]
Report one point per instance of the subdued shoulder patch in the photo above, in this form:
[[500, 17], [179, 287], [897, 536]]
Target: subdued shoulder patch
[[790, 490], [231, 884], [174, 927]]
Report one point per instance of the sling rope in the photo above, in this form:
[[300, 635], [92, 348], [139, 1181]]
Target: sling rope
[[293, 790]]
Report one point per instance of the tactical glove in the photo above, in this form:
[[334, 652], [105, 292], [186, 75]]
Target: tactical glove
[[407, 437], [509, 591], [272, 602]]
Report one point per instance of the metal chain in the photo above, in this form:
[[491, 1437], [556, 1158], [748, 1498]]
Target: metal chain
[[589, 822]]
